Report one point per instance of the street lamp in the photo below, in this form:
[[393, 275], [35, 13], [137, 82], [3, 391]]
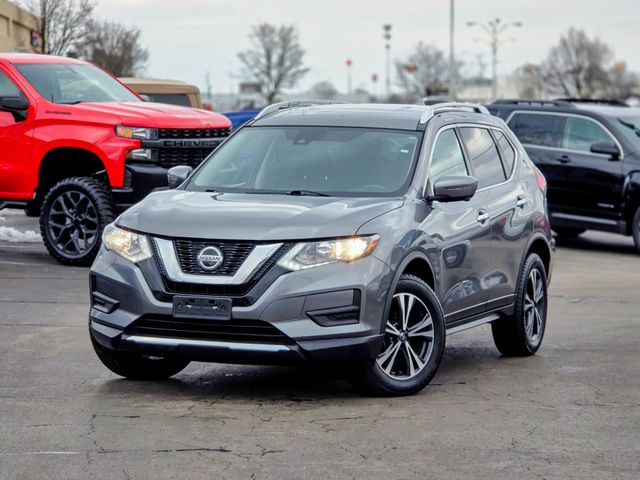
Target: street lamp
[[494, 28], [452, 57], [387, 38]]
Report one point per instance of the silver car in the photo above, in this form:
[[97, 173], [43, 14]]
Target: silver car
[[358, 235]]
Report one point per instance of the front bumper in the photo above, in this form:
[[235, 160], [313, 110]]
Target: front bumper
[[139, 180], [298, 306]]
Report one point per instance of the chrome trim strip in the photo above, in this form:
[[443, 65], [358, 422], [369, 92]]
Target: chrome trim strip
[[581, 218], [475, 323], [179, 342], [258, 256]]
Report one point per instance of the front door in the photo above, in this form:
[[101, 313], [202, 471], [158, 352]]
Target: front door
[[15, 147], [464, 235]]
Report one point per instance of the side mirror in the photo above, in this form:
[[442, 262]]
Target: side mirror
[[18, 106], [606, 148], [177, 175], [454, 188]]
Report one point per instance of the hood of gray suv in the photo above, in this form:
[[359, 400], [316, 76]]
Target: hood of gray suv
[[264, 217]]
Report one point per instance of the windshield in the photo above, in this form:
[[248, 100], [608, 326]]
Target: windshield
[[631, 130], [70, 83], [336, 161]]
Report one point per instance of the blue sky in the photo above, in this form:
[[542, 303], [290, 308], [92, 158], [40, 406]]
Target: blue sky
[[186, 38]]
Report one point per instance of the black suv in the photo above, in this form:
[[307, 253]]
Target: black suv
[[589, 151]]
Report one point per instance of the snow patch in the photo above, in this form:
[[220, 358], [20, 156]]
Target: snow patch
[[11, 235]]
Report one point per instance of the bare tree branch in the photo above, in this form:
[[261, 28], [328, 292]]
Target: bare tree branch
[[60, 23], [577, 66], [424, 72], [276, 59], [114, 47]]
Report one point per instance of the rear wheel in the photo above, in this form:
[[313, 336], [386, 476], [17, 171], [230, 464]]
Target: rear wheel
[[521, 334], [138, 367], [636, 229], [74, 213], [412, 346]]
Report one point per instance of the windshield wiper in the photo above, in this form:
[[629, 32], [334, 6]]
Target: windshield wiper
[[309, 193]]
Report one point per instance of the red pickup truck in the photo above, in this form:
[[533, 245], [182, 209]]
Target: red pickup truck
[[77, 146]]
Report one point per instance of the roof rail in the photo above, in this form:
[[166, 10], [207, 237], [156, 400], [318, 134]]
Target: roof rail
[[561, 102], [433, 110], [595, 101], [276, 107]]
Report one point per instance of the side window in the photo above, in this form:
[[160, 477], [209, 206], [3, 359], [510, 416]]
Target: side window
[[581, 133], [538, 129], [506, 151], [7, 87], [483, 155], [447, 157]]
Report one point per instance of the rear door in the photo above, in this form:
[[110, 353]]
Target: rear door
[[541, 134]]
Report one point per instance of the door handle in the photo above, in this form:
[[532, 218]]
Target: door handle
[[483, 216], [564, 159], [521, 201]]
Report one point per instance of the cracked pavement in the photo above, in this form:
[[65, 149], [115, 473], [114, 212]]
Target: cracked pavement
[[572, 411]]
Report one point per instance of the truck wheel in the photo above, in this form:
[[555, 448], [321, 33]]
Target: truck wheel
[[138, 367], [521, 334], [412, 346], [73, 215]]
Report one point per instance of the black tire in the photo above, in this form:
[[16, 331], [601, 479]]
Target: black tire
[[636, 229], [521, 334], [568, 232], [138, 367], [395, 374], [72, 232]]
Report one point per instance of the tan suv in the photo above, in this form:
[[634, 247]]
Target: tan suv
[[174, 92]]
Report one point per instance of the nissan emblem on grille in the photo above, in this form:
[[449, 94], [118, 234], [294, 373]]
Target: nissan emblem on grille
[[210, 258]]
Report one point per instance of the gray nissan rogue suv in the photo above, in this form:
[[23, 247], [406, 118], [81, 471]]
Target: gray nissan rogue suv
[[356, 234]]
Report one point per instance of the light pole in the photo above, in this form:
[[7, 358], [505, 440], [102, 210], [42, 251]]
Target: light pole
[[387, 38], [452, 57], [495, 28]]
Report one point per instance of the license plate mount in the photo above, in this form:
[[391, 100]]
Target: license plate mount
[[202, 308]]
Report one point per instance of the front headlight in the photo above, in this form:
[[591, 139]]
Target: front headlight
[[140, 133], [313, 254], [132, 246]]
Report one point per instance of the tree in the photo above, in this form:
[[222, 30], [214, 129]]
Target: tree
[[114, 47], [275, 60], [60, 23], [577, 66], [425, 72], [324, 91]]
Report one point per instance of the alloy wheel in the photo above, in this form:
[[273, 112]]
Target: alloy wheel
[[73, 223], [534, 308], [408, 340]]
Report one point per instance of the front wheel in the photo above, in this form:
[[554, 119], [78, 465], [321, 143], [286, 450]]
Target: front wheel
[[74, 213], [414, 339], [521, 334]]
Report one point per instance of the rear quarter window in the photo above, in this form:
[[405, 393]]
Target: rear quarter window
[[538, 129], [507, 152]]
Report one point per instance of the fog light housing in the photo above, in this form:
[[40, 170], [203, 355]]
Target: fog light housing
[[141, 155]]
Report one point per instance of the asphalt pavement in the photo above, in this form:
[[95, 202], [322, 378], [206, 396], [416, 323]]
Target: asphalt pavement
[[570, 412]]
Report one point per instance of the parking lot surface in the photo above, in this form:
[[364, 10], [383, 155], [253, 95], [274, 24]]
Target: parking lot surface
[[571, 411]]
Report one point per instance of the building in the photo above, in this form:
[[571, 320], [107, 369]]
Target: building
[[18, 29]]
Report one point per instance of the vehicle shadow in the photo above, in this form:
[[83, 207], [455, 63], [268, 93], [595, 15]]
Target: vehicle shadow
[[599, 242], [303, 383]]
